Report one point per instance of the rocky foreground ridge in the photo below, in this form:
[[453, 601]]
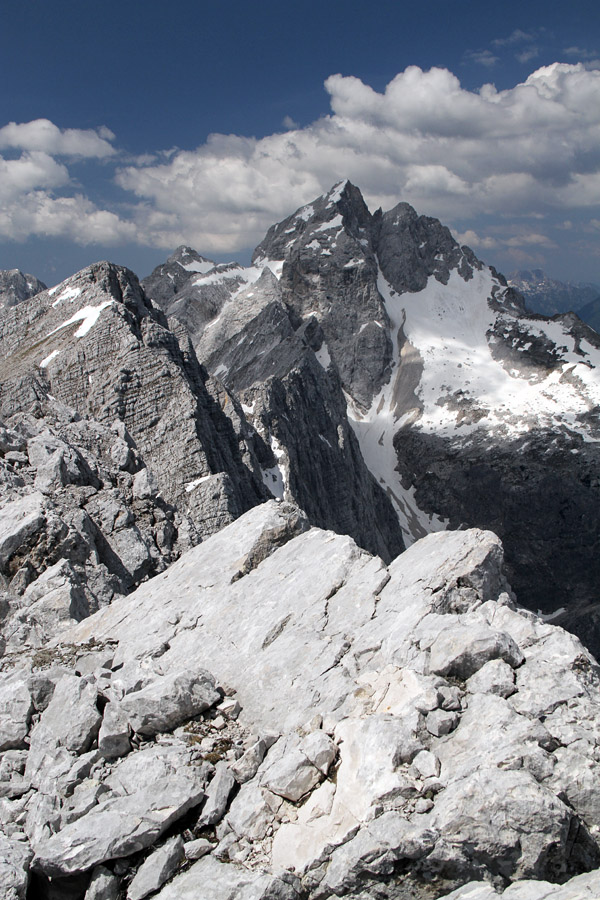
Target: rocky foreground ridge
[[295, 719]]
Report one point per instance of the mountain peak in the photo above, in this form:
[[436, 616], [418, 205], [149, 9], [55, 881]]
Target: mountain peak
[[16, 286]]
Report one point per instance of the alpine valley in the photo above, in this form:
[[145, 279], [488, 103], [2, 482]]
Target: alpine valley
[[299, 569]]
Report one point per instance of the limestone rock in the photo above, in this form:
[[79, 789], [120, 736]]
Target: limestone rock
[[103, 885], [461, 651], [582, 887], [14, 869], [217, 795], [167, 702], [156, 869], [16, 707], [347, 788], [117, 827], [197, 849], [76, 731], [221, 882], [494, 677], [18, 521]]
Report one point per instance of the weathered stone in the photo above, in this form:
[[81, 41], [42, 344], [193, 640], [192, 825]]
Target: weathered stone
[[18, 521], [156, 869], [217, 795], [375, 850], [197, 849], [152, 764], [117, 827], [219, 881], [292, 776], [145, 485], [103, 885], [247, 765], [114, 735], [427, 764], [71, 717], [439, 722], [462, 651], [15, 857], [16, 708], [169, 701], [494, 677]]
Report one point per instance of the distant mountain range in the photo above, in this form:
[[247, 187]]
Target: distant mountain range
[[548, 296]]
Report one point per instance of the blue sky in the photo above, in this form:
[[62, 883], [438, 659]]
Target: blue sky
[[141, 125]]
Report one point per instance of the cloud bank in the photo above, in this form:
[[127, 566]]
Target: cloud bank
[[530, 151]]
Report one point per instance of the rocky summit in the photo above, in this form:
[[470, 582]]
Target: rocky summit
[[285, 555]]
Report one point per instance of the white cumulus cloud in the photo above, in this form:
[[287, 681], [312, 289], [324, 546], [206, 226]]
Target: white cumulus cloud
[[43, 135], [450, 152], [464, 156]]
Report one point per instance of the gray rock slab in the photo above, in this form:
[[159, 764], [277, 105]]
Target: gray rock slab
[[15, 857], [104, 885], [117, 827], [72, 716], [494, 677], [217, 795], [169, 701], [375, 850], [197, 849], [581, 887], [16, 707], [508, 814], [461, 651], [156, 869], [115, 732], [18, 521], [145, 767], [213, 880]]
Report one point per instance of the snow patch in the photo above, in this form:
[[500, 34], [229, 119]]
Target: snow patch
[[276, 478], [192, 485], [216, 277], [200, 266], [305, 213], [68, 294], [336, 222], [88, 316], [45, 362], [323, 356], [336, 192]]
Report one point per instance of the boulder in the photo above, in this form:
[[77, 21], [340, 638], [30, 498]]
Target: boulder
[[117, 827], [16, 707], [156, 869]]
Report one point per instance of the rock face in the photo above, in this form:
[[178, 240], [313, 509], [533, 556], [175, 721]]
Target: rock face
[[366, 731], [273, 357], [15, 286], [114, 453]]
